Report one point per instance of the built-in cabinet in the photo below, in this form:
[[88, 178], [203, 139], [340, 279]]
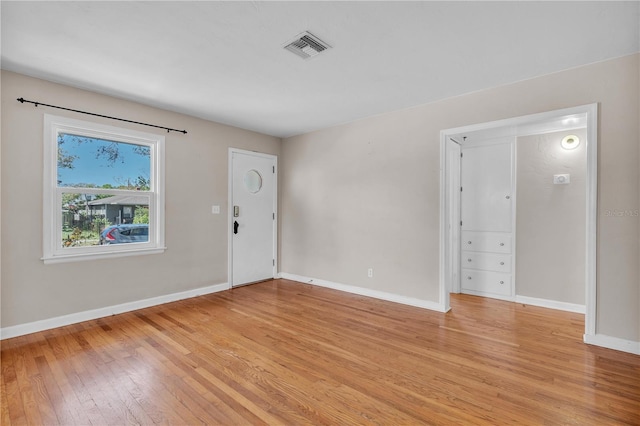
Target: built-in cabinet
[[487, 216], [486, 263]]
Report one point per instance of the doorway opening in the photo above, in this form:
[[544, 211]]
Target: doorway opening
[[537, 132]]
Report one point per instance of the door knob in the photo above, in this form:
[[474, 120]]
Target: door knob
[[235, 226]]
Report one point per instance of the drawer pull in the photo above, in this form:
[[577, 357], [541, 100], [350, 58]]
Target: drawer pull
[[501, 263], [501, 244], [468, 278], [468, 260], [501, 282], [468, 242]]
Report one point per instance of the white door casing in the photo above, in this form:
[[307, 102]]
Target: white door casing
[[252, 216], [453, 211], [515, 126]]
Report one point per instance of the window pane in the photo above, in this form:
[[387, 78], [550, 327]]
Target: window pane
[[104, 191], [86, 162], [91, 220]]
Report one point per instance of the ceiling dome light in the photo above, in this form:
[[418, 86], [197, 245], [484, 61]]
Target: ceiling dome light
[[570, 142]]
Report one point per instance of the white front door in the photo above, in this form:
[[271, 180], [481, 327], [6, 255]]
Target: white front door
[[252, 216]]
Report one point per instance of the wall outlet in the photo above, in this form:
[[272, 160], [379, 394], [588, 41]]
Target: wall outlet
[[215, 209], [370, 272]]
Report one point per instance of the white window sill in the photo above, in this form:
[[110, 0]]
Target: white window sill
[[95, 256]]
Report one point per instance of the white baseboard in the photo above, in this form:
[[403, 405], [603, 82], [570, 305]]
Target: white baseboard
[[551, 304], [489, 295], [426, 304], [613, 343], [47, 324]]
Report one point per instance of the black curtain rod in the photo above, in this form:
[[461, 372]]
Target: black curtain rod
[[22, 100]]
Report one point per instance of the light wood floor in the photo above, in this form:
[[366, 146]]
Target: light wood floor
[[281, 352]]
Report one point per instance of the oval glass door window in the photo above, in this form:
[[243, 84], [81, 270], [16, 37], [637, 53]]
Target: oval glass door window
[[252, 181]]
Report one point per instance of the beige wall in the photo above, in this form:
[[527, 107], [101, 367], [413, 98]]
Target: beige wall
[[196, 179], [551, 219], [366, 194], [356, 196]]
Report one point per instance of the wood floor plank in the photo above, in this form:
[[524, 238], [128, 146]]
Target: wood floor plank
[[285, 353], [137, 401], [96, 375], [332, 361], [274, 380], [5, 416], [21, 362], [64, 364], [12, 395]]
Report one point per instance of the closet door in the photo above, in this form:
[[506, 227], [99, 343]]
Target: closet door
[[487, 204], [486, 188]]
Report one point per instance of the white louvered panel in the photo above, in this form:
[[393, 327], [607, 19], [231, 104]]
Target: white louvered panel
[[306, 45]]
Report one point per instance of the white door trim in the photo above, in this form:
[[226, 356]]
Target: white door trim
[[230, 209], [511, 125]]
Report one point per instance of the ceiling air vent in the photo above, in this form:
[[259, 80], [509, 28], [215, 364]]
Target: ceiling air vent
[[306, 45]]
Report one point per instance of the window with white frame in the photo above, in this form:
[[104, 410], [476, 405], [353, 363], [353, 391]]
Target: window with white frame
[[103, 191]]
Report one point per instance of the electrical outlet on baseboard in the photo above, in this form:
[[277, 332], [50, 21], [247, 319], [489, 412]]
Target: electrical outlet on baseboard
[[370, 272]]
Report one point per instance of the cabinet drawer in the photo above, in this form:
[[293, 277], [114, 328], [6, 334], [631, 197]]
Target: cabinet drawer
[[486, 282], [494, 242], [486, 261]]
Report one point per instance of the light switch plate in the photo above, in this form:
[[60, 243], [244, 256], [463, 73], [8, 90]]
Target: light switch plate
[[561, 179]]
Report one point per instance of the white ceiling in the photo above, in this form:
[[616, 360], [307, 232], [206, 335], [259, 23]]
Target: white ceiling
[[224, 61]]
